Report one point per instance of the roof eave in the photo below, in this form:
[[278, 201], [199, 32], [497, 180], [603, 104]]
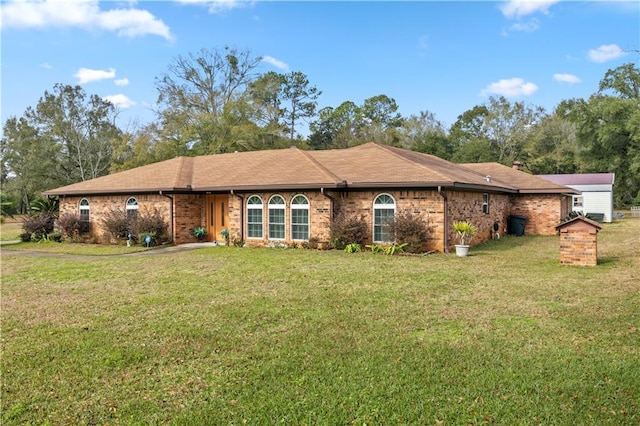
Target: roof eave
[[412, 184], [115, 191], [564, 191], [484, 188]]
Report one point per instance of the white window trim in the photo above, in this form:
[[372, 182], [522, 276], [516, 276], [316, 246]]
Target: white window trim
[[485, 206], [373, 219], [254, 206], [84, 206], [297, 207], [282, 207], [131, 206]]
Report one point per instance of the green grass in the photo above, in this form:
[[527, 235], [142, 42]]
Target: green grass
[[260, 336], [11, 228]]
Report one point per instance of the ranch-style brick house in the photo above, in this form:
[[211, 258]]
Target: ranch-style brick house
[[290, 195]]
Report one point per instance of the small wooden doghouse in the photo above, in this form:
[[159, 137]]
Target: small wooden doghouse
[[579, 241]]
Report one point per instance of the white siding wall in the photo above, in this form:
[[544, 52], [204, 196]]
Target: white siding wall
[[599, 202]]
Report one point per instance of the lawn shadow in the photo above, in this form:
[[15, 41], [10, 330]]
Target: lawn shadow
[[609, 260], [506, 243]]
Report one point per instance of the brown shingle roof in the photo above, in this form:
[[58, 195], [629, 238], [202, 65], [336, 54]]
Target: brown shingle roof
[[372, 165], [166, 175], [525, 182], [364, 166]]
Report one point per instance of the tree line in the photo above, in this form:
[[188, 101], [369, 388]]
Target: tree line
[[215, 101]]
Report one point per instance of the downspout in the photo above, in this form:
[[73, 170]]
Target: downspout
[[446, 218], [170, 214], [331, 200], [241, 214]]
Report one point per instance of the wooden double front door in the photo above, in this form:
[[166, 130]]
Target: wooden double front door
[[217, 215]]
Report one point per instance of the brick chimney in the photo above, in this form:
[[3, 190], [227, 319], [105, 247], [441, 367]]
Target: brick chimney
[[516, 165]]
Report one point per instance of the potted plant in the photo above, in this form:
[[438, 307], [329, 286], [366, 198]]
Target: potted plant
[[200, 233], [225, 234], [465, 232]]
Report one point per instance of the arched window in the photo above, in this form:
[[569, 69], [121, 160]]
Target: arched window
[[132, 208], [276, 218], [384, 213], [84, 215], [299, 218], [254, 217]]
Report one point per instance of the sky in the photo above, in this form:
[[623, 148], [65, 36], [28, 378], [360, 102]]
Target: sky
[[442, 57]]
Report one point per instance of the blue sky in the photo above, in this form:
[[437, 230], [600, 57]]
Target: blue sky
[[445, 57]]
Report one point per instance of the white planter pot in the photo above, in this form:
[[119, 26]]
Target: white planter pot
[[462, 251]]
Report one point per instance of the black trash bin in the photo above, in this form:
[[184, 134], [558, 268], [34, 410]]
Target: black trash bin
[[515, 224]]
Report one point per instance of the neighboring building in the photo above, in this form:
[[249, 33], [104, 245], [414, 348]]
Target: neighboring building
[[596, 189], [290, 195]]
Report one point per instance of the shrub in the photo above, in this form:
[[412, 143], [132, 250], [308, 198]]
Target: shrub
[[45, 205], [311, 244], [353, 248], [376, 248], [142, 239], [348, 229], [150, 222], [38, 225], [199, 232], [237, 241], [69, 224], [56, 237], [115, 223], [411, 230]]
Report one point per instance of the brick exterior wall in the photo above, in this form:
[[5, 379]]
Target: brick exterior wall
[[188, 213], [100, 204], [543, 211], [578, 244], [468, 206], [319, 216], [428, 204], [188, 210]]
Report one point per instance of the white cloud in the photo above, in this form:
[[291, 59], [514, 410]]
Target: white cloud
[[215, 6], [122, 82], [524, 27], [510, 87], [86, 75], [46, 65], [566, 78], [120, 100], [128, 22], [275, 62], [519, 8], [606, 52]]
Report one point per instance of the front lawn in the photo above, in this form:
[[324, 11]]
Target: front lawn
[[261, 336]]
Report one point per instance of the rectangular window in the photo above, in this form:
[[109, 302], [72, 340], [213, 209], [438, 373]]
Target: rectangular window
[[84, 221], [254, 223], [485, 203], [381, 230], [222, 214], [299, 224], [577, 201], [276, 224]]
